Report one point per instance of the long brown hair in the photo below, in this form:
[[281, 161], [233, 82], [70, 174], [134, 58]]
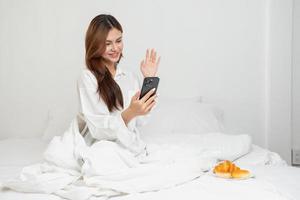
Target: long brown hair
[[95, 46]]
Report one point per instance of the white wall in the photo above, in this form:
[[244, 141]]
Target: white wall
[[213, 48], [278, 77], [296, 76]]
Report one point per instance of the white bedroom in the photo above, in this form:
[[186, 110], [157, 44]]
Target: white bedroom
[[228, 91]]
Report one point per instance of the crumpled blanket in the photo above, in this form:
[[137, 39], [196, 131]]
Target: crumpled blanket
[[73, 170]]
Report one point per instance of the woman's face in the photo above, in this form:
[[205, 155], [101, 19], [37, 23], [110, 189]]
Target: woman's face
[[114, 46]]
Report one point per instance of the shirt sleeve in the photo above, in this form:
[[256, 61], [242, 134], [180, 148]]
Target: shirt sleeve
[[102, 124]]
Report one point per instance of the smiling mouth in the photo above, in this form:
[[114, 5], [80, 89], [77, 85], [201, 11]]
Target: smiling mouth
[[115, 55]]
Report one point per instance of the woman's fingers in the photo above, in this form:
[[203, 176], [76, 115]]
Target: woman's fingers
[[142, 64], [154, 56], [158, 60], [144, 99], [151, 55], [147, 56], [149, 108], [137, 95], [150, 100]]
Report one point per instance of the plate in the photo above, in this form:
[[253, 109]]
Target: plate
[[251, 175]]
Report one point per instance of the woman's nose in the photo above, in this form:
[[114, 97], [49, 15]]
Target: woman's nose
[[113, 47]]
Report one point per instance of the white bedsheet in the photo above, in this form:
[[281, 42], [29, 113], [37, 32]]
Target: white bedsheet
[[266, 186], [274, 178], [275, 182], [73, 170]]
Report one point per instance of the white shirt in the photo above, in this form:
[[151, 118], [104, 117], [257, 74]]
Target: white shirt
[[102, 124]]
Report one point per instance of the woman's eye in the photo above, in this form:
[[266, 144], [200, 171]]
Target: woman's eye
[[119, 41]]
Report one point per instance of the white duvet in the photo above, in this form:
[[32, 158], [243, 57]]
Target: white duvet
[[73, 170]]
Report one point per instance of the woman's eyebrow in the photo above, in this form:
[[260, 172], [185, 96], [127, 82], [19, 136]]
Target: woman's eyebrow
[[116, 39]]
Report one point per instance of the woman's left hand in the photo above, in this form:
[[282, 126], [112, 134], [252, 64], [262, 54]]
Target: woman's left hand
[[150, 64]]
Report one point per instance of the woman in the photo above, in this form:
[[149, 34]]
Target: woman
[[110, 159], [109, 96]]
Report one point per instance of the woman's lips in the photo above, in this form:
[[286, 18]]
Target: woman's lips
[[114, 55]]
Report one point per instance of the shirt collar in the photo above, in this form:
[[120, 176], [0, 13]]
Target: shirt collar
[[119, 72]]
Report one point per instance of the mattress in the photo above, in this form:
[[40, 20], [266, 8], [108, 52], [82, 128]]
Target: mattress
[[273, 179], [18, 153]]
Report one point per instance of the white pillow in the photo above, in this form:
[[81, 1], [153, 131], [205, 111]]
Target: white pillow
[[171, 115], [183, 116]]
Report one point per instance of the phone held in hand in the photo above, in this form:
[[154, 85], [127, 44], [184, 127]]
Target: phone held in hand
[[148, 84]]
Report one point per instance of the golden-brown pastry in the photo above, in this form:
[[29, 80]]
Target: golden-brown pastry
[[223, 174], [240, 174], [227, 169]]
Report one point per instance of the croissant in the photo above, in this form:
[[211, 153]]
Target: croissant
[[227, 169]]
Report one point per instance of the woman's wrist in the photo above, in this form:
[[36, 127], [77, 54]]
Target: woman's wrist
[[127, 115], [149, 75]]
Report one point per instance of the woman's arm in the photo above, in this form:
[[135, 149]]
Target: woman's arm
[[101, 123], [149, 67], [127, 116]]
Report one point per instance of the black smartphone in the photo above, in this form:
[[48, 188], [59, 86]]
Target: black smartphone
[[148, 84]]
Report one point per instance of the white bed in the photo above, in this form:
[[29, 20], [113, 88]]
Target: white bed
[[273, 179]]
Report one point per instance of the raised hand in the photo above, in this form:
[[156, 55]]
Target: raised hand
[[150, 64]]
